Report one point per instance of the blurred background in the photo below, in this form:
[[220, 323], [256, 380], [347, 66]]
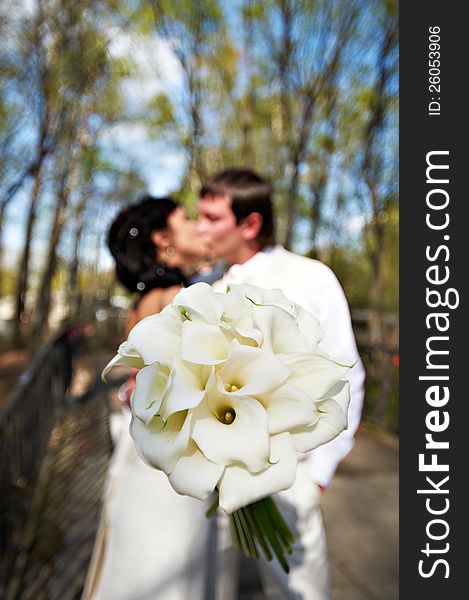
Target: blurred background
[[103, 100]]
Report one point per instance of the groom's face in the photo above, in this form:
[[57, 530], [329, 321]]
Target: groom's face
[[217, 224]]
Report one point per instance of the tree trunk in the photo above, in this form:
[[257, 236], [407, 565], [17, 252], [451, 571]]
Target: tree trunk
[[377, 326], [292, 200], [74, 296], [23, 271], [196, 166], [317, 193], [2, 215], [297, 157], [60, 215], [249, 111]]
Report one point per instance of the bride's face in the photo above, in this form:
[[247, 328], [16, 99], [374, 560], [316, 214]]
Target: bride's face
[[188, 245]]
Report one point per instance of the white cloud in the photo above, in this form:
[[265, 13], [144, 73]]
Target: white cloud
[[16, 10], [162, 165], [355, 224], [125, 135], [155, 68]]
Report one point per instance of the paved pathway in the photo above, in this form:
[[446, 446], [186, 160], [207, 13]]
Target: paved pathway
[[361, 515]]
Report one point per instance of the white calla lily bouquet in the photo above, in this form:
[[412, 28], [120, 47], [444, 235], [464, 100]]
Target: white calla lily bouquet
[[230, 388]]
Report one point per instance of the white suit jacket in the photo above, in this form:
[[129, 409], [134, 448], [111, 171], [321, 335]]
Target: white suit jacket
[[312, 285]]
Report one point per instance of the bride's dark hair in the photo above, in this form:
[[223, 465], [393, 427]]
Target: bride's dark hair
[[134, 251]]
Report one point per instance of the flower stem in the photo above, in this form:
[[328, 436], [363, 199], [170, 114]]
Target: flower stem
[[275, 514], [249, 546], [269, 527], [247, 510], [261, 525]]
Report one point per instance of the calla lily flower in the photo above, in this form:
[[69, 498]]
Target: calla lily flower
[[231, 388]]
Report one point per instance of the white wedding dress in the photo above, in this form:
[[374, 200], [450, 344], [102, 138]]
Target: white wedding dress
[[152, 543]]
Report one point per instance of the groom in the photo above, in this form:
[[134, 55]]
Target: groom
[[236, 218]]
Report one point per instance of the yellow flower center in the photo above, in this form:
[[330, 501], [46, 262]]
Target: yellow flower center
[[231, 388], [229, 416]]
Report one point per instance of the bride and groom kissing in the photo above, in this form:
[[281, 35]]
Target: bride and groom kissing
[[153, 543]]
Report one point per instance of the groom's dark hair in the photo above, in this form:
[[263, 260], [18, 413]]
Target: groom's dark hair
[[248, 192]]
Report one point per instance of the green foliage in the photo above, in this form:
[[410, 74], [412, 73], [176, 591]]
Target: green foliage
[[161, 113], [353, 271], [8, 279], [390, 257]]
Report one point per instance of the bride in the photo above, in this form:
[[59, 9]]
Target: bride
[[152, 543]]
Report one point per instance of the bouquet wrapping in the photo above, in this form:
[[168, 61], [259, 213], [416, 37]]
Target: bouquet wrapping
[[230, 388]]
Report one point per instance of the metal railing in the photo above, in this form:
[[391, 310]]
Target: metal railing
[[25, 425]]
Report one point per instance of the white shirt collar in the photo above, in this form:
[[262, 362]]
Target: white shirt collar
[[254, 263]]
